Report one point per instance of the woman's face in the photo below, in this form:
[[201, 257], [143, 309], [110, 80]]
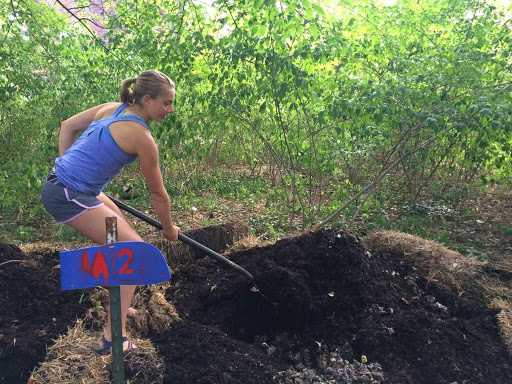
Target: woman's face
[[160, 107]]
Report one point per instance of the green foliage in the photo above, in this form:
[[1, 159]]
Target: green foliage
[[322, 98], [66, 233]]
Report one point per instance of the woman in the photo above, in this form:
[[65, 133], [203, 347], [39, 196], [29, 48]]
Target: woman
[[115, 134]]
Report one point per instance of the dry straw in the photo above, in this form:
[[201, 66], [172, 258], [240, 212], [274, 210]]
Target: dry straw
[[72, 358], [485, 283], [432, 260], [504, 318]]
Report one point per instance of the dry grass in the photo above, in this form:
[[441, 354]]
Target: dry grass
[[248, 242], [216, 237], [432, 260], [488, 284], [53, 247], [504, 318], [162, 313], [154, 312], [72, 360]]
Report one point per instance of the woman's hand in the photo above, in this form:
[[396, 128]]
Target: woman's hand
[[171, 233]]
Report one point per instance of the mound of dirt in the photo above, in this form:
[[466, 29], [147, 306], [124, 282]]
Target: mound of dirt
[[330, 301], [327, 311]]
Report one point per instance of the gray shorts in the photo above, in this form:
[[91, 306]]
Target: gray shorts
[[65, 204]]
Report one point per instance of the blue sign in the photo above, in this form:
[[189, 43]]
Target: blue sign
[[121, 263]]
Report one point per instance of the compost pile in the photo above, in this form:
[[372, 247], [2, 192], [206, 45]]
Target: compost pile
[[329, 312]]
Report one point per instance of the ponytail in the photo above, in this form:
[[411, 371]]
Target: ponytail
[[126, 93], [151, 83]]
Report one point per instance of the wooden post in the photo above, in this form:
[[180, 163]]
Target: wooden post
[[115, 312]]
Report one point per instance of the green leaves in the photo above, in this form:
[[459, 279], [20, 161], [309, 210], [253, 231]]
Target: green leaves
[[318, 92]]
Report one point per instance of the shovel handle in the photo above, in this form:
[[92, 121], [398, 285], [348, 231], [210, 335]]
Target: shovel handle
[[185, 239]]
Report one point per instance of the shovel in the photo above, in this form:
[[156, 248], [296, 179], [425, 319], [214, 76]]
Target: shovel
[[187, 240]]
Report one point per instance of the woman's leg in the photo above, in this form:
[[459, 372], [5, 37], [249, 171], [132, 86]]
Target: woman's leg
[[92, 225]]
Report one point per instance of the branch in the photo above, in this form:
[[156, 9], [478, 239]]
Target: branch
[[33, 35], [94, 35], [374, 183], [7, 33], [472, 20], [269, 146], [231, 14]]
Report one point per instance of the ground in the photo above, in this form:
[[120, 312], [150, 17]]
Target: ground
[[327, 311]]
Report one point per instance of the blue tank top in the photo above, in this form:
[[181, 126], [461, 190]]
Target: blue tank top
[[95, 158]]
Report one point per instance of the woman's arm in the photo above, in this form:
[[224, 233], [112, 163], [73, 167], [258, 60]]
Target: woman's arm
[[147, 151], [69, 128]]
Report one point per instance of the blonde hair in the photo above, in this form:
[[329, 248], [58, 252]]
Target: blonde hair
[[152, 83]]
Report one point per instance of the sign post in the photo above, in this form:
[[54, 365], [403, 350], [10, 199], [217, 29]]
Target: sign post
[[115, 313], [112, 265]]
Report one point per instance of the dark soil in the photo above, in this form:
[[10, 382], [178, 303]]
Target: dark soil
[[327, 312], [34, 311]]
